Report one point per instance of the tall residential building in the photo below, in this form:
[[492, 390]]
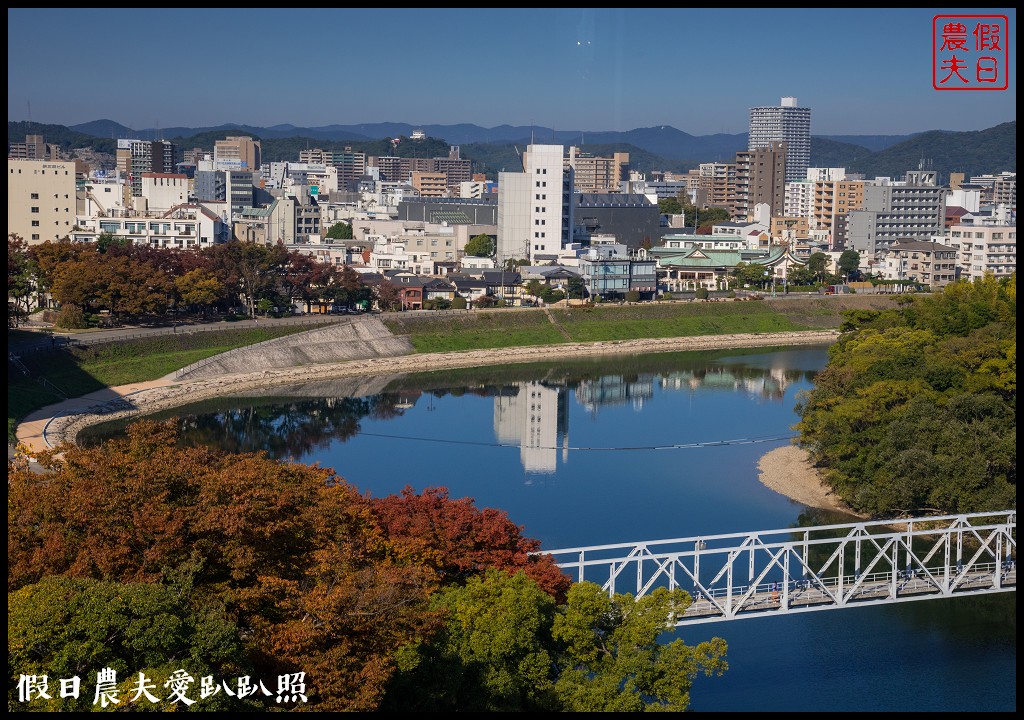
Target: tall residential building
[[760, 178], [717, 186], [351, 166], [984, 249], [786, 123], [455, 169], [316, 156]]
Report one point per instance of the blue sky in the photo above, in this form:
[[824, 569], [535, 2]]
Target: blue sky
[[861, 71]]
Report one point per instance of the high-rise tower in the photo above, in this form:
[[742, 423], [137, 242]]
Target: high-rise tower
[[786, 123]]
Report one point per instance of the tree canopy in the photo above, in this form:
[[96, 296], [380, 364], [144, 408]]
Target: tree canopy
[[916, 410], [340, 231], [480, 246]]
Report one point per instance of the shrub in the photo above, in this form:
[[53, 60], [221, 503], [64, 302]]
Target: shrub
[[702, 293], [71, 317], [633, 296]]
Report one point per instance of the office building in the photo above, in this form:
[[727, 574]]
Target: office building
[[243, 153], [535, 207], [41, 200]]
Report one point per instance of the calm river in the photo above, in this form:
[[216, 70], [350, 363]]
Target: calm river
[[624, 449]]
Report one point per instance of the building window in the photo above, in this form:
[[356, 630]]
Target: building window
[[35, 196], [35, 209]]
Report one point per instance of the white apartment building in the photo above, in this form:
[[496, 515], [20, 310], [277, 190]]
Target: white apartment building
[[187, 226], [41, 199], [820, 174], [799, 197], [984, 249]]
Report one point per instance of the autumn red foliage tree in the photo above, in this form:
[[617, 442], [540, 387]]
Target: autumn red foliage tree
[[457, 540], [317, 577]]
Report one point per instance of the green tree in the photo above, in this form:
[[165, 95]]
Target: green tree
[[66, 627], [576, 287], [480, 246], [340, 231], [506, 646], [105, 241], [22, 274], [817, 264], [611, 659], [669, 206], [849, 264], [750, 274]]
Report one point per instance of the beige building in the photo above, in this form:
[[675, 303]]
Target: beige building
[[717, 186], [927, 263], [243, 149], [41, 200], [163, 191], [595, 174], [34, 148], [789, 229], [832, 201], [430, 184], [984, 249]]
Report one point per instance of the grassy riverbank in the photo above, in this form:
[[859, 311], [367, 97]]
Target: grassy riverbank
[[75, 371], [481, 330]]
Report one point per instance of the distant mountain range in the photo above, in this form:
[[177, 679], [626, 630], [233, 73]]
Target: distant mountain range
[[664, 140], [662, 147]]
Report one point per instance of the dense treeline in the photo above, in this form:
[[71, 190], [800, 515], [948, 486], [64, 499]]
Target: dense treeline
[[916, 410], [144, 556], [115, 276]]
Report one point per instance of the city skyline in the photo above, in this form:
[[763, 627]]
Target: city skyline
[[861, 71]]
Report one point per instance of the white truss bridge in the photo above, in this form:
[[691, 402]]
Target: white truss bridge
[[805, 569]]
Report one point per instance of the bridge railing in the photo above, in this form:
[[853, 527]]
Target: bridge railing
[[798, 569]]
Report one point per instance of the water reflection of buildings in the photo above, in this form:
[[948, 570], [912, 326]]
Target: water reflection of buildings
[[615, 390], [770, 383], [536, 419]]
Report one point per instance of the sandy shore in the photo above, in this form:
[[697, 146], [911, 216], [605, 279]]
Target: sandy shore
[[787, 470]]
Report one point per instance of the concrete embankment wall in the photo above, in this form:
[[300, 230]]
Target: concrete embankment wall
[[353, 338]]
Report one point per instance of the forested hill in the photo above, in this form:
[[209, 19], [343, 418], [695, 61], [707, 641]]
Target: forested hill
[[973, 153]]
